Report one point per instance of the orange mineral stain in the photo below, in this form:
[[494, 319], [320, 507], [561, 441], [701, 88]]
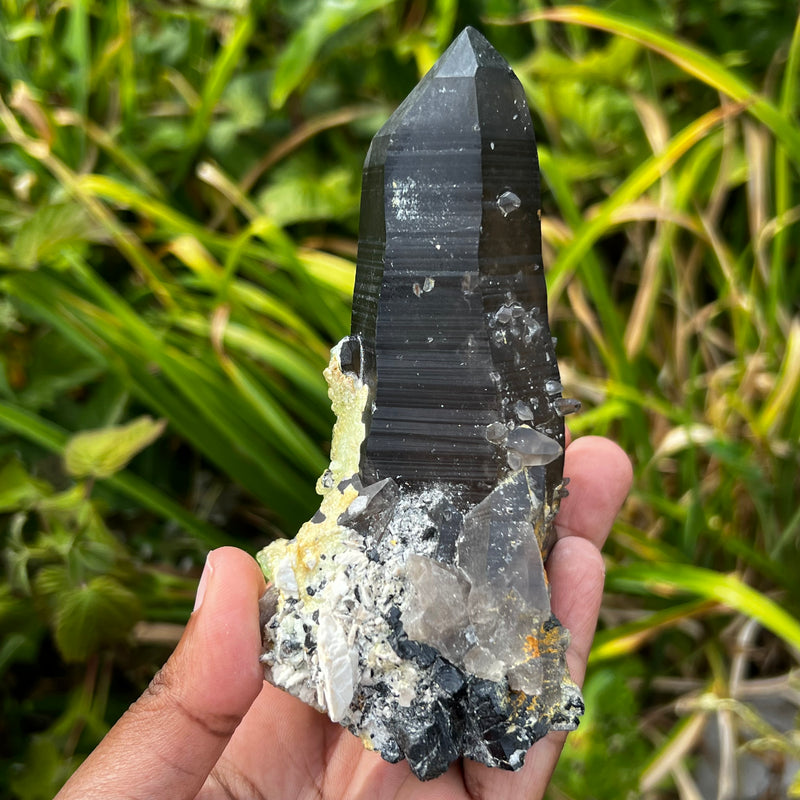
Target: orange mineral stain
[[532, 646]]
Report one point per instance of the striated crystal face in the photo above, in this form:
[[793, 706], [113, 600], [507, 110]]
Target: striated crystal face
[[414, 608], [450, 300]]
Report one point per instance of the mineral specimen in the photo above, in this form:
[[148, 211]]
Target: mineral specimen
[[414, 608]]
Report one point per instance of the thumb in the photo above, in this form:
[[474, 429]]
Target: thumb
[[170, 739]]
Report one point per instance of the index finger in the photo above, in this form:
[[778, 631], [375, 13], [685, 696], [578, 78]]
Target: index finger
[[600, 476]]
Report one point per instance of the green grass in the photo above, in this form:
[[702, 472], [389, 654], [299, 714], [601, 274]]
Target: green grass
[[178, 221]]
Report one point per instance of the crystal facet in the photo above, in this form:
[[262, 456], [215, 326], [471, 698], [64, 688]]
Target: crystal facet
[[414, 607]]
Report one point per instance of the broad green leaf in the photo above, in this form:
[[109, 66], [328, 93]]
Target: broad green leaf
[[104, 452], [198, 410], [244, 100], [43, 772], [9, 316], [16, 647], [76, 512], [298, 196], [17, 555], [53, 438], [52, 582], [18, 489], [93, 615], [22, 629]]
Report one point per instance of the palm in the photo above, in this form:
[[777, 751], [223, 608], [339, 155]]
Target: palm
[[312, 757], [316, 758]]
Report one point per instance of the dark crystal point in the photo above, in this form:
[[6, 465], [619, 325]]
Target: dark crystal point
[[414, 607], [450, 299]]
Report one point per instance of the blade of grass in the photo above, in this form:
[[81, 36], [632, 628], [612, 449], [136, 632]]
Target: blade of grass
[[690, 59], [207, 396], [138, 256], [643, 545], [196, 412], [271, 352], [625, 639], [244, 294], [596, 420], [788, 536], [655, 266], [781, 399], [78, 46], [730, 590], [333, 272], [139, 172], [301, 134], [295, 443], [217, 79], [783, 181], [571, 258], [299, 55], [565, 198], [126, 60], [213, 175], [327, 271], [672, 751], [195, 381]]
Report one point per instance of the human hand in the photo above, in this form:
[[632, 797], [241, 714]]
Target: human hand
[[208, 727]]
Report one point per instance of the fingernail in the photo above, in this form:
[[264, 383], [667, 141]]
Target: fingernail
[[203, 585]]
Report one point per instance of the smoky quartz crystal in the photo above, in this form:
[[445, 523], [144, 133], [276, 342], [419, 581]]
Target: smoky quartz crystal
[[414, 608]]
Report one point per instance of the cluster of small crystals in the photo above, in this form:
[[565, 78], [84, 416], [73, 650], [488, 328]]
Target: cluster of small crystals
[[525, 331], [419, 623], [484, 612]]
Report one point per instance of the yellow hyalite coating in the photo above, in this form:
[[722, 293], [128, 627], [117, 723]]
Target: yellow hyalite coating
[[285, 561]]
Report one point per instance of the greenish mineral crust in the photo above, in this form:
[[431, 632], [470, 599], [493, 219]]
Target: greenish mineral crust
[[414, 608], [285, 563]]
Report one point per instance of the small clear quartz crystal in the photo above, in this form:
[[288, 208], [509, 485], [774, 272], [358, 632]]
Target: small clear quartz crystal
[[413, 608]]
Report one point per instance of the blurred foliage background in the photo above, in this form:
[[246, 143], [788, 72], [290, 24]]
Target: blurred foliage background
[[179, 188]]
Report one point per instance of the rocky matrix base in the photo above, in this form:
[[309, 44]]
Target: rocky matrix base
[[413, 608], [417, 621]]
